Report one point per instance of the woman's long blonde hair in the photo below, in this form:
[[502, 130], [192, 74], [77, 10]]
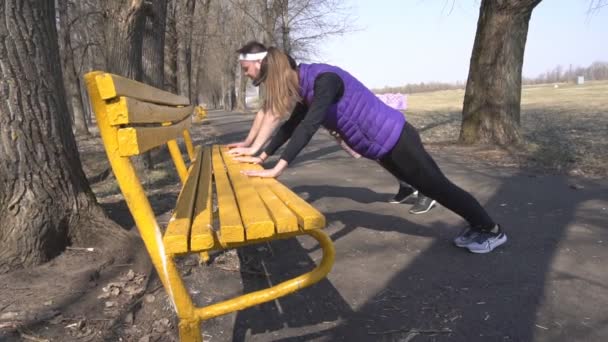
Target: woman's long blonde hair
[[282, 84]]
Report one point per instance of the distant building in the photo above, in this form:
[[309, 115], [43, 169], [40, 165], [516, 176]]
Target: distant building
[[580, 80]]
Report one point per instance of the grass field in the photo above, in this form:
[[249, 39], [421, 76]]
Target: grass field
[[566, 128]]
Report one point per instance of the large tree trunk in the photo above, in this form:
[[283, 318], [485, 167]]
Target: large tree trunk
[[283, 8], [72, 86], [491, 111], [154, 43], [125, 26], [171, 49], [199, 49], [45, 200], [183, 19]]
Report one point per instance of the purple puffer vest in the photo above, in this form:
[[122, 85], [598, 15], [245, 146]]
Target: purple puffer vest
[[366, 124]]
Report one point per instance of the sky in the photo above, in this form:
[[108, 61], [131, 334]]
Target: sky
[[411, 41]]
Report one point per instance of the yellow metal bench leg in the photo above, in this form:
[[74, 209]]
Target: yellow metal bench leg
[[204, 257], [279, 290], [190, 331]]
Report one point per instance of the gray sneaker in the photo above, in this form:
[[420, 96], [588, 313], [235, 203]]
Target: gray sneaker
[[465, 237], [423, 205], [485, 242]]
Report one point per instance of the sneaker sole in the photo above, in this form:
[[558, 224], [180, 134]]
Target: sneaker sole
[[493, 247], [425, 211]]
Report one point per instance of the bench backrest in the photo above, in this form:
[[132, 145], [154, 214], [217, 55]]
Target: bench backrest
[[133, 118]]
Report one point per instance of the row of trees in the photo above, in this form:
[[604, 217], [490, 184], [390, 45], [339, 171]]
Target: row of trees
[[184, 46]]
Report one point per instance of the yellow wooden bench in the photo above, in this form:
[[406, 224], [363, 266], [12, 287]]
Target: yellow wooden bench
[[134, 118]]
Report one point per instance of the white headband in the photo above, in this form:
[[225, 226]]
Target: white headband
[[252, 56]]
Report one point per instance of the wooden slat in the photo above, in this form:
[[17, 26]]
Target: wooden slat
[[308, 216], [111, 86], [284, 219], [231, 226], [126, 110], [176, 236], [257, 221], [201, 236], [135, 140]]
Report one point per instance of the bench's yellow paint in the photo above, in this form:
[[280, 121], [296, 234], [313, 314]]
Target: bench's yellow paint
[[111, 86], [308, 216], [189, 146], [262, 203], [257, 221], [231, 226], [200, 113], [202, 236], [137, 140], [177, 235], [126, 110], [140, 208]]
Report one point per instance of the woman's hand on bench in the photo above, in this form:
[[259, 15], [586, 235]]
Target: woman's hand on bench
[[248, 159], [267, 173], [242, 151]]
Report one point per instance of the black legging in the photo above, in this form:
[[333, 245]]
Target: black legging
[[411, 163]]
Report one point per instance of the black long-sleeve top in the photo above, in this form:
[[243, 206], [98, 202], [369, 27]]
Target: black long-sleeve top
[[305, 121]]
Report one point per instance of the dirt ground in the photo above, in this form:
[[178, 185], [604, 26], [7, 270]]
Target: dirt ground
[[81, 296]]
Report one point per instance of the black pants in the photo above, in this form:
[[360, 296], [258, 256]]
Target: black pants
[[411, 163]]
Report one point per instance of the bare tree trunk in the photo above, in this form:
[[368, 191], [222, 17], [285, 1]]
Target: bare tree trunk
[[491, 111], [72, 86], [125, 24], [199, 49], [153, 57], [283, 7], [241, 104], [45, 200], [171, 49], [183, 14], [153, 53]]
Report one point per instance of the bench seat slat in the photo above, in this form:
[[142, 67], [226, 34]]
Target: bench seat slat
[[136, 140], [111, 86], [127, 110], [231, 226], [284, 219], [257, 221], [202, 235], [308, 216], [176, 236]]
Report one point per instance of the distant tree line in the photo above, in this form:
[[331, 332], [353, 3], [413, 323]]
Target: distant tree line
[[595, 72]]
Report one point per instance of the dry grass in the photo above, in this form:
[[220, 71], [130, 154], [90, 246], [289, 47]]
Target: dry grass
[[565, 128]]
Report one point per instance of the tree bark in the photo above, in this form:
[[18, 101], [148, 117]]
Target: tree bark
[[125, 25], [184, 11], [154, 43], [491, 110], [72, 86], [241, 103], [45, 199], [170, 49], [199, 50]]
